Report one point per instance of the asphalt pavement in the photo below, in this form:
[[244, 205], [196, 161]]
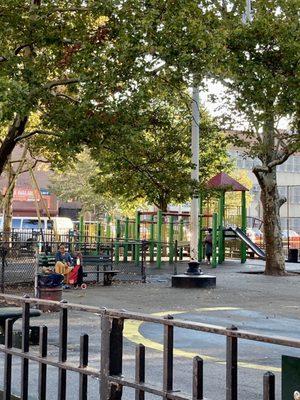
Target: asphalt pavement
[[243, 297]]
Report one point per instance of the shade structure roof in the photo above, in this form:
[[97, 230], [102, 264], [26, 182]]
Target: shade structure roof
[[222, 181]]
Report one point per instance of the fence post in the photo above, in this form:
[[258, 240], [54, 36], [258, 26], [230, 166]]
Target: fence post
[[3, 254], [197, 378], [140, 370], [168, 357], [231, 366], [269, 386], [111, 356]]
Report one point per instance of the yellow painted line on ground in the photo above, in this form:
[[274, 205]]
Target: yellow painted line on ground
[[132, 333]]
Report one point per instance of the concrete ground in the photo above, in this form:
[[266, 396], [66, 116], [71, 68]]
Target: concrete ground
[[243, 297]]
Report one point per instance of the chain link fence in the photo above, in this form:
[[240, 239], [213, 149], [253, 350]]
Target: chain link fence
[[19, 260]]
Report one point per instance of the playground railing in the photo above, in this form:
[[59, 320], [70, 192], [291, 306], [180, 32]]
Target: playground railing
[[58, 368]]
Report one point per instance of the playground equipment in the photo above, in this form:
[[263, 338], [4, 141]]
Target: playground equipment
[[167, 233], [223, 183]]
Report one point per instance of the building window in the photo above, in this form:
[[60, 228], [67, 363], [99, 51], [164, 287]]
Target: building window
[[282, 190], [295, 195], [295, 224], [296, 163]]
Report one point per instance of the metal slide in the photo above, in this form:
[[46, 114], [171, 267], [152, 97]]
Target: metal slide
[[257, 250]]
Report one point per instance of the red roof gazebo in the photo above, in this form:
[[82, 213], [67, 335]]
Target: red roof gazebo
[[224, 182]]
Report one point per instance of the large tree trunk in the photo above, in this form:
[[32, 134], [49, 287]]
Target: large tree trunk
[[275, 260], [9, 143]]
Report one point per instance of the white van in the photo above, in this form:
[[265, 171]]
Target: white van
[[60, 225]]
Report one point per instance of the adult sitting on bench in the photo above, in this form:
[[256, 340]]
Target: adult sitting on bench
[[63, 261]]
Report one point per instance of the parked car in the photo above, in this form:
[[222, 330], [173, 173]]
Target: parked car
[[255, 235], [291, 238], [28, 228]]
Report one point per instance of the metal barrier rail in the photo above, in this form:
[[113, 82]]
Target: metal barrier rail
[[110, 374]]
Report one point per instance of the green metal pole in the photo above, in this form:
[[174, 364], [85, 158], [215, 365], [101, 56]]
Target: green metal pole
[[200, 244], [108, 230], [132, 236], [137, 237], [126, 234], [181, 239], [151, 246], [244, 227], [214, 240], [81, 231], [118, 234], [159, 237], [221, 255], [171, 239]]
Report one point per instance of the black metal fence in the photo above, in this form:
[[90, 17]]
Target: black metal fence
[[111, 376]]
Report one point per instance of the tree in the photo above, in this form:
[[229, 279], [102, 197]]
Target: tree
[[51, 53], [258, 62], [152, 158], [262, 72], [73, 182]]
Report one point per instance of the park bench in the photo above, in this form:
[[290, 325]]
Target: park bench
[[47, 260], [102, 263], [15, 313], [104, 266]]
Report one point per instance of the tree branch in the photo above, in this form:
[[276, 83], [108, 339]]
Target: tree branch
[[281, 201], [66, 96], [61, 82], [281, 159], [36, 132]]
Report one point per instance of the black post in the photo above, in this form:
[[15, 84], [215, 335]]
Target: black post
[[269, 386], [8, 359], [111, 356], [25, 349], [140, 370], [231, 366], [63, 341], [3, 254], [43, 367], [197, 378], [168, 357], [84, 358]]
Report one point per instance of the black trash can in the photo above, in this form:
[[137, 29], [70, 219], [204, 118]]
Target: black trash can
[[293, 255]]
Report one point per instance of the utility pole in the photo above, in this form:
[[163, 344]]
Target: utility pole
[[195, 174], [248, 14]]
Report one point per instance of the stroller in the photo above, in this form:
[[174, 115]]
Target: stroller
[[76, 275]]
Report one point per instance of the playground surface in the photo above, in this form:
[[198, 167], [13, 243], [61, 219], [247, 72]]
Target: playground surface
[[243, 297]]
